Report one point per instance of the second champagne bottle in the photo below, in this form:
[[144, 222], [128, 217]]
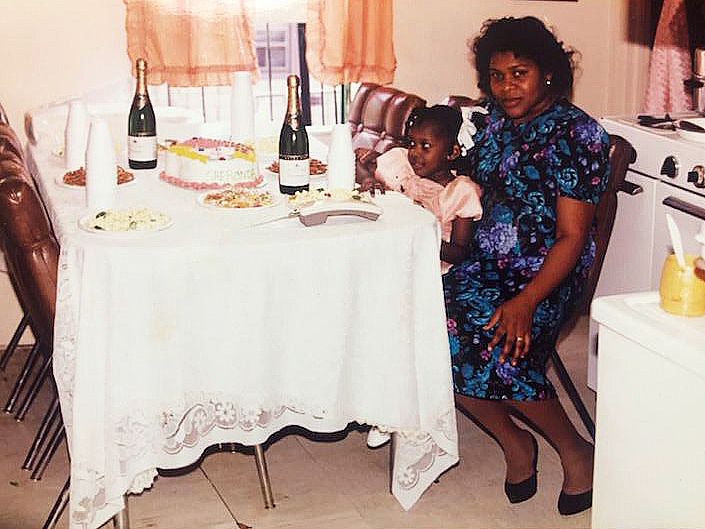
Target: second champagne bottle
[[141, 125], [294, 162]]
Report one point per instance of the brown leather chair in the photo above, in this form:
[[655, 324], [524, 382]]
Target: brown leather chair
[[457, 102], [3, 116], [12, 162], [621, 155], [378, 115]]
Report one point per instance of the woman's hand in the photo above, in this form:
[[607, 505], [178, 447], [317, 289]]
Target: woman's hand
[[513, 320]]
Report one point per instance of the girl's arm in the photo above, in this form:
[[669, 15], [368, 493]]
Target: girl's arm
[[513, 318], [457, 250]]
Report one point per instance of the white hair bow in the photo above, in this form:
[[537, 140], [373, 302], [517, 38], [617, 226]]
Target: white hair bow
[[468, 129]]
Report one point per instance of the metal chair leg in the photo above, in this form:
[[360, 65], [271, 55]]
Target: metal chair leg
[[48, 452], [10, 349], [392, 453], [59, 505], [52, 415], [263, 474], [567, 383], [34, 389], [34, 354], [122, 519]]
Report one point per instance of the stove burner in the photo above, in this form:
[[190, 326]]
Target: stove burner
[[662, 123]]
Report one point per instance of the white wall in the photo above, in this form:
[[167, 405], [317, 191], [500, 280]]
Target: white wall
[[433, 55], [53, 49]]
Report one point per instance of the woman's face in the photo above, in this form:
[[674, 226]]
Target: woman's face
[[519, 86]]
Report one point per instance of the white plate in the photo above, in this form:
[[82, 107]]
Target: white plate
[[698, 137], [201, 199], [59, 181], [84, 224]]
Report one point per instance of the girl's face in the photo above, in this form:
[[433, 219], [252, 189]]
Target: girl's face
[[519, 86], [429, 152]]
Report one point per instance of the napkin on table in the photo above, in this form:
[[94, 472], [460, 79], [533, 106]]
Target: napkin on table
[[101, 167], [242, 109], [76, 135], [341, 159]]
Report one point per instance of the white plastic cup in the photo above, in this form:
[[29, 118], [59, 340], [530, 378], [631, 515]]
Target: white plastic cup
[[341, 159], [76, 135], [242, 109], [101, 167]]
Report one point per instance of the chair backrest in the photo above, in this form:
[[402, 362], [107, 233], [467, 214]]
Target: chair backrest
[[621, 154], [3, 116], [30, 249], [378, 115], [457, 102]]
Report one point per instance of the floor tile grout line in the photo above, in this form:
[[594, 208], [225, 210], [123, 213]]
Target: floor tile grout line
[[222, 499]]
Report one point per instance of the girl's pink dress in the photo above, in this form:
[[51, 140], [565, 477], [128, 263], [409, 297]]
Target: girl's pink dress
[[458, 199]]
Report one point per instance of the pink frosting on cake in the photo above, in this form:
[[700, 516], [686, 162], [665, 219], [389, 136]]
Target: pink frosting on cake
[[174, 180]]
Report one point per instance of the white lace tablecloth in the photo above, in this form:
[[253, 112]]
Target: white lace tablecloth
[[212, 331]]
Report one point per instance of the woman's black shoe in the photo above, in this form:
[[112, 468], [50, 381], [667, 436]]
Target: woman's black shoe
[[522, 491], [574, 503]]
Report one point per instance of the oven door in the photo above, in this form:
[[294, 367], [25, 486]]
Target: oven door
[[627, 265], [688, 210]]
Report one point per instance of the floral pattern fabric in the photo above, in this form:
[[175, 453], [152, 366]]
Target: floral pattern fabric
[[523, 169]]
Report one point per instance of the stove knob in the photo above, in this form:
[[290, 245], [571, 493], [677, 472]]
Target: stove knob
[[670, 167], [696, 176]]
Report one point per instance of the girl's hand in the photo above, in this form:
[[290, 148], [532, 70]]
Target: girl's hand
[[371, 184], [513, 320]]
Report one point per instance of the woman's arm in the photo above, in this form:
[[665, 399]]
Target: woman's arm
[[457, 250], [515, 316]]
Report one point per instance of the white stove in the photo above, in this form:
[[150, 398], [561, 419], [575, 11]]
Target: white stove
[[668, 176], [664, 154]]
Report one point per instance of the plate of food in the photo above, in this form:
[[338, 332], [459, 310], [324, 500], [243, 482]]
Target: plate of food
[[237, 200], [77, 179], [318, 169], [301, 199], [129, 221]]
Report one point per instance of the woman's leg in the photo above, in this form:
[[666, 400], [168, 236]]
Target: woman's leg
[[548, 416], [493, 416]]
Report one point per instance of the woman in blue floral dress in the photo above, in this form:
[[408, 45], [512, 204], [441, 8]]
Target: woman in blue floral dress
[[542, 164]]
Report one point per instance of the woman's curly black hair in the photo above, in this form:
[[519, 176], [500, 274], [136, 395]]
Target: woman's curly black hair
[[446, 120], [526, 37]]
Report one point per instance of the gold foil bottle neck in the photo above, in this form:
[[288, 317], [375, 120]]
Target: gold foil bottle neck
[[292, 80]]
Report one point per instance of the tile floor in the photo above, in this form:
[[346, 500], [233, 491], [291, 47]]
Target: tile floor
[[319, 482]]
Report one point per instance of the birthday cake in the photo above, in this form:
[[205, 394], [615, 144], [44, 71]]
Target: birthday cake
[[202, 163]]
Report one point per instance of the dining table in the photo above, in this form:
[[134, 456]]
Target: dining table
[[223, 328]]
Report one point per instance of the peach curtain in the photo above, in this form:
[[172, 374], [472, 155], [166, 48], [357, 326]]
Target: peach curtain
[[191, 42], [670, 62], [350, 41]]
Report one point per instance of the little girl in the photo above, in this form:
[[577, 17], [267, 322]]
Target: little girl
[[422, 171]]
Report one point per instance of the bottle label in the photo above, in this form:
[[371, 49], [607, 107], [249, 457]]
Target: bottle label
[[142, 148], [294, 173]]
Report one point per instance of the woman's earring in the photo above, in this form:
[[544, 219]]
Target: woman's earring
[[548, 82]]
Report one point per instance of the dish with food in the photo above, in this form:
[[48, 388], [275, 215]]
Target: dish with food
[[302, 199], [125, 221], [317, 169], [77, 179], [236, 199]]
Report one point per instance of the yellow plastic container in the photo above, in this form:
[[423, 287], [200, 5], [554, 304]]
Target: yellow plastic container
[[682, 291]]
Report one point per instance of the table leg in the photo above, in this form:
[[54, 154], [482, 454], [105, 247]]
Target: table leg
[[263, 474], [392, 453], [122, 519]]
